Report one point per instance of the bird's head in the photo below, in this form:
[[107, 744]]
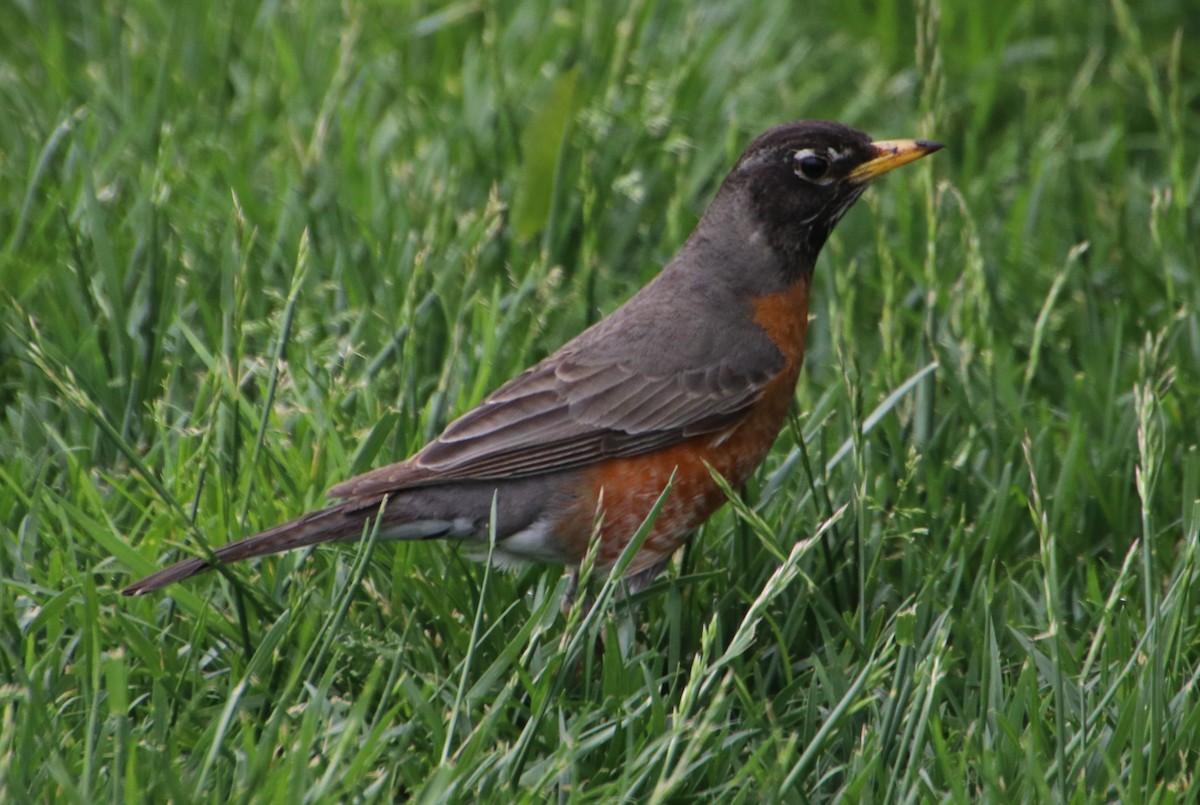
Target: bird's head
[[800, 178]]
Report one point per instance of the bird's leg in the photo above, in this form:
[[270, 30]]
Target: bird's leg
[[642, 579], [568, 600], [632, 585]]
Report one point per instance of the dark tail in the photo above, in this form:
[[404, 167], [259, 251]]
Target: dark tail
[[340, 522]]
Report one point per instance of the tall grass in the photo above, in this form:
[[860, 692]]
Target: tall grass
[[249, 249]]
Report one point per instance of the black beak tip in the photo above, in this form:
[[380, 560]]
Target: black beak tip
[[929, 146]]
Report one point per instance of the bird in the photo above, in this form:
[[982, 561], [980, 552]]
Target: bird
[[693, 375]]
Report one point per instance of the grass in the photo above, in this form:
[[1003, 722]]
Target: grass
[[249, 249]]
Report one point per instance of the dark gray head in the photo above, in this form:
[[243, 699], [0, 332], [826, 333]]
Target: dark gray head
[[801, 178]]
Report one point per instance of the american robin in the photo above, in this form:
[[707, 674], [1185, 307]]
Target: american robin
[[695, 371]]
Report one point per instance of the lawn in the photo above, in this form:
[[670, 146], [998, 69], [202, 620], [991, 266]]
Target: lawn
[[249, 249]]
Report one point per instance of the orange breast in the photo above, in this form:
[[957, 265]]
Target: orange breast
[[623, 491]]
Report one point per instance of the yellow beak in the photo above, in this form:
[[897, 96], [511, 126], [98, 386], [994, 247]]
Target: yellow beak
[[891, 154]]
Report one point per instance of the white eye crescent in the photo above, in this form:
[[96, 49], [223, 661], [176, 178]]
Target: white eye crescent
[[812, 165]]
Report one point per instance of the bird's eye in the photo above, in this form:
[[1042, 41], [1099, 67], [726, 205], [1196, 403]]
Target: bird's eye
[[810, 166]]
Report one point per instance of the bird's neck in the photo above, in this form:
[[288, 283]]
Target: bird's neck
[[744, 250]]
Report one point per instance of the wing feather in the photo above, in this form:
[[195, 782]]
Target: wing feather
[[633, 383]]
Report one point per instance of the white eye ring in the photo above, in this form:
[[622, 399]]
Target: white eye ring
[[812, 166]]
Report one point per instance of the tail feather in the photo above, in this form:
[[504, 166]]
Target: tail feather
[[459, 510], [341, 522]]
